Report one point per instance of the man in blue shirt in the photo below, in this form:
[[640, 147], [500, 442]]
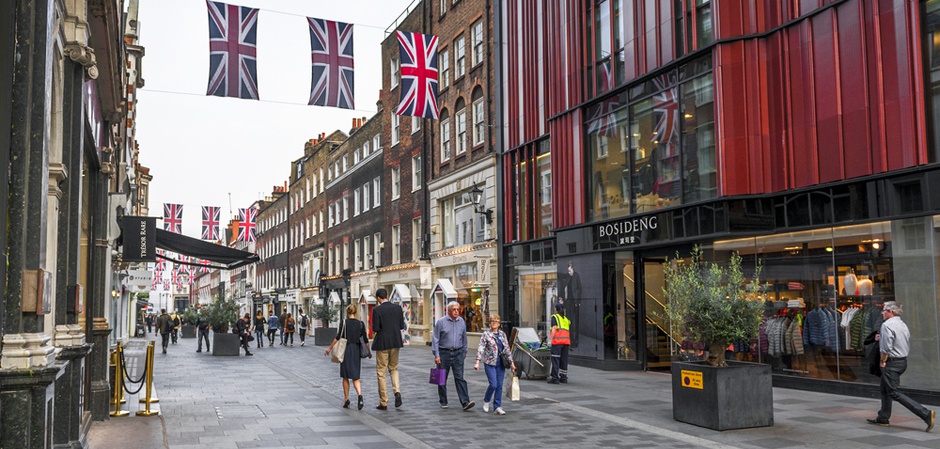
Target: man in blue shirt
[[449, 346], [273, 324]]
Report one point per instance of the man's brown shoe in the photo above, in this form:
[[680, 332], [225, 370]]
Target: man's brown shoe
[[930, 420]]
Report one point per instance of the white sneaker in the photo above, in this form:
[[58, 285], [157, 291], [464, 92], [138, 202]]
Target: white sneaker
[[500, 411], [486, 407]]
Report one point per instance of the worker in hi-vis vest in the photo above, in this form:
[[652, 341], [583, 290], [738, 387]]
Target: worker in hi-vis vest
[[560, 338]]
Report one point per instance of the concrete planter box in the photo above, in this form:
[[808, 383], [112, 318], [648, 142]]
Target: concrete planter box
[[324, 336], [738, 396], [225, 344], [188, 331]]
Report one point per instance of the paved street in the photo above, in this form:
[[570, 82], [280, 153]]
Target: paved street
[[291, 397]]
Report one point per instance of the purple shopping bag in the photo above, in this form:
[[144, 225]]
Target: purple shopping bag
[[438, 376]]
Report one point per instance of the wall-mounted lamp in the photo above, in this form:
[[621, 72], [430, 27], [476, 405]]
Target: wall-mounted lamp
[[476, 196], [114, 293]]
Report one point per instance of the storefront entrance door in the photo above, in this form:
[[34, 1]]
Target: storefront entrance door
[[660, 346]]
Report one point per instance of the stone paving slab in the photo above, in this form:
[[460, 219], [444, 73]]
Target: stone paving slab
[[291, 397]]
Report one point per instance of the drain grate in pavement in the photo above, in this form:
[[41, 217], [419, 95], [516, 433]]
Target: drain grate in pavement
[[232, 411]]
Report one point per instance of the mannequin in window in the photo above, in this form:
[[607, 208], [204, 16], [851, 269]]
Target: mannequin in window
[[849, 283]]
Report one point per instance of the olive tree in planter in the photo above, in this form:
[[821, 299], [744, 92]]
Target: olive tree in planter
[[221, 315], [713, 303], [326, 313], [188, 329]]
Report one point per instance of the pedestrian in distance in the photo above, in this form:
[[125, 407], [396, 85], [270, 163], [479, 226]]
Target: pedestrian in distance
[[149, 321], [241, 328], [202, 331], [273, 324], [388, 320], [259, 328], [304, 323], [894, 343], [290, 326], [164, 328], [176, 326], [560, 341], [494, 346], [281, 323], [449, 346], [351, 367]]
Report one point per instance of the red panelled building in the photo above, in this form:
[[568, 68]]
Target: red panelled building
[[801, 134]]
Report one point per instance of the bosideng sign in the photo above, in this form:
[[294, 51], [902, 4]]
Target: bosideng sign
[[624, 232]]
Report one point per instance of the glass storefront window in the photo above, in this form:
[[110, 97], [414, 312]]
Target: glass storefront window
[[825, 289], [655, 149], [699, 165], [544, 186], [932, 61], [608, 145]]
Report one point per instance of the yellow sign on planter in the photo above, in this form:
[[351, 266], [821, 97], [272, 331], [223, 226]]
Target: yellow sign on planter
[[692, 379]]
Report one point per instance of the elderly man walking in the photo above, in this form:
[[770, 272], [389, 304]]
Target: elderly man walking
[[895, 345], [449, 346]]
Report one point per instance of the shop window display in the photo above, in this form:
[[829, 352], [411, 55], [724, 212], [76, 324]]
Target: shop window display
[[824, 292]]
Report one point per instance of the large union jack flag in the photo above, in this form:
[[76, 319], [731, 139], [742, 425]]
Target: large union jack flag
[[666, 107], [418, 53], [233, 60], [246, 224], [173, 218], [210, 222], [331, 53]]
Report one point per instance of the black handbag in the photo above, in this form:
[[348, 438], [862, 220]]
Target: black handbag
[[506, 360]]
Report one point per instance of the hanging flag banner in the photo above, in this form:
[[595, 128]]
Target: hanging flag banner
[[246, 224], [233, 48], [173, 218], [418, 56], [210, 222], [331, 53]]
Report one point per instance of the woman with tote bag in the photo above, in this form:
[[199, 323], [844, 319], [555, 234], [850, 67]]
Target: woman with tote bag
[[497, 358], [353, 333]]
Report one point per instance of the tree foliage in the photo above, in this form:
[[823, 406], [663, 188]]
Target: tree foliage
[[713, 304], [325, 312], [221, 313]]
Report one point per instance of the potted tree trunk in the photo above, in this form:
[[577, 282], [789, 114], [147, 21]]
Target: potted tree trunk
[[221, 315], [713, 304], [325, 313]]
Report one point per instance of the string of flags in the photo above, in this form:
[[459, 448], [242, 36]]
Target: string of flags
[[233, 62], [211, 220]]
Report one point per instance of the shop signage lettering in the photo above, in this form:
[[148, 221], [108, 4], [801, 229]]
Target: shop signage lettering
[[623, 232], [139, 239], [692, 379]]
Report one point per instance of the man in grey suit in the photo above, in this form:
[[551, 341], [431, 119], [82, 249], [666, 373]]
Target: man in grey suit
[[387, 322]]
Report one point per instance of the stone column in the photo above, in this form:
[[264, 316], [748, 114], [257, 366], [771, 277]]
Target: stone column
[[27, 371], [98, 294]]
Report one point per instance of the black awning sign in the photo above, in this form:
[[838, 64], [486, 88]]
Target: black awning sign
[[140, 237]]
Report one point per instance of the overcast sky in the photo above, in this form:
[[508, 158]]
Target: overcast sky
[[202, 149]]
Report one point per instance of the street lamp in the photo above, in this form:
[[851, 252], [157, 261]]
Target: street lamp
[[476, 196]]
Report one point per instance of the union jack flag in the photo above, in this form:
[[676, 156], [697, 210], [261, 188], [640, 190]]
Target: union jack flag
[[666, 106], [246, 224], [418, 53], [603, 122], [331, 52], [166, 285], [233, 61], [205, 266], [173, 217], [210, 222]]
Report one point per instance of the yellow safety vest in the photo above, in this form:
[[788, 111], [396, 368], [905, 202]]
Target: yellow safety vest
[[561, 336]]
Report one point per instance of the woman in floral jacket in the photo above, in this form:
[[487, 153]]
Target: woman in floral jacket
[[492, 344]]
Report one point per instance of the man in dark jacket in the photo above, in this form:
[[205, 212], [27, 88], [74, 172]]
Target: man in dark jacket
[[241, 328], [202, 331], [281, 325], [387, 322], [164, 328]]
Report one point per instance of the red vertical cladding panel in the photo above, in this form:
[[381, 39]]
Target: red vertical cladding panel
[[574, 121], [727, 19], [802, 110], [629, 12], [511, 94], [510, 208], [920, 95], [758, 173], [897, 85], [827, 101], [774, 122], [575, 54], [853, 86], [732, 120]]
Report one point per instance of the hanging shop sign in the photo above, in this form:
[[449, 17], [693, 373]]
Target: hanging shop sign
[[140, 237]]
